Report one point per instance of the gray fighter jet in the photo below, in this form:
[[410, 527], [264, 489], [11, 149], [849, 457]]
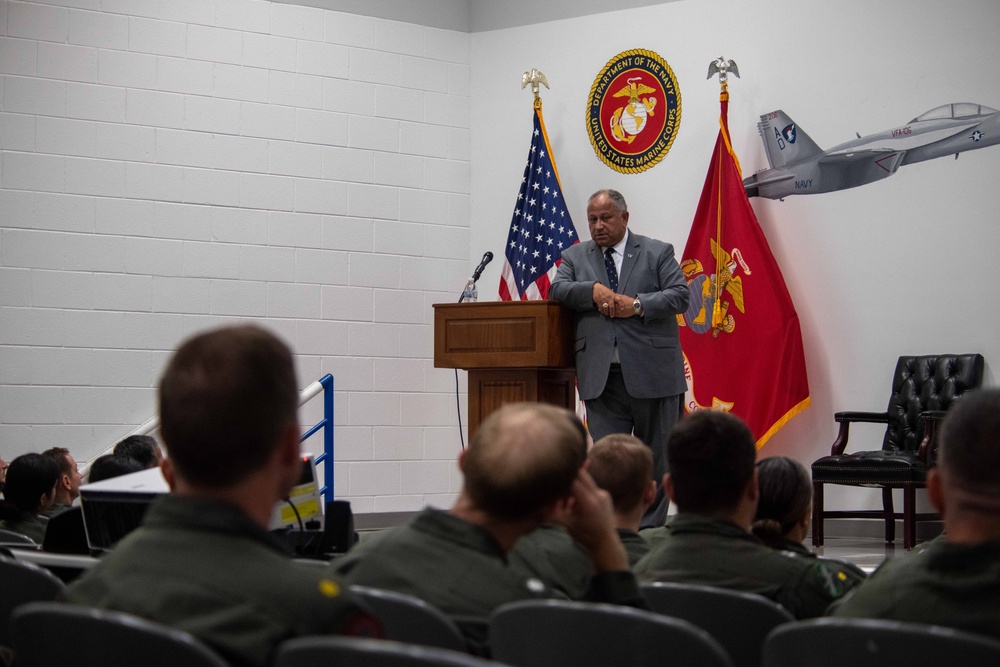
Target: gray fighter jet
[[800, 167]]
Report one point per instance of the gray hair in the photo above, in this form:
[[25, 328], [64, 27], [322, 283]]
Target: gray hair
[[617, 198]]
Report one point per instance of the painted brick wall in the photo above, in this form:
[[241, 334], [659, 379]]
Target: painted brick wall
[[171, 166]]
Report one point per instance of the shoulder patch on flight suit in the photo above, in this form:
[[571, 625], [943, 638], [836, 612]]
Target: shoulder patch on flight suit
[[833, 582], [329, 588]]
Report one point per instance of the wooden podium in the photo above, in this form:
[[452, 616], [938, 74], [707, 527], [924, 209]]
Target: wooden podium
[[513, 350]]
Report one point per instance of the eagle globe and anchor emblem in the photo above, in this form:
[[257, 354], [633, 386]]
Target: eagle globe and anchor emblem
[[708, 309], [631, 135], [629, 120]]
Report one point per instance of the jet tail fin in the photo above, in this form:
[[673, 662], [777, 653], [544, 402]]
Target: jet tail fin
[[784, 141]]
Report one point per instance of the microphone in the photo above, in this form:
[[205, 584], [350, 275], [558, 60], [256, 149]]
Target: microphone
[[487, 258]]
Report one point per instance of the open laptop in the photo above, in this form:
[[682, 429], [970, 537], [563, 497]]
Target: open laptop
[[112, 508]]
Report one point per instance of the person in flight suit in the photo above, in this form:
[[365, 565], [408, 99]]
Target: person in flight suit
[[524, 464], [784, 511], [955, 580], [203, 561], [621, 465], [713, 481]]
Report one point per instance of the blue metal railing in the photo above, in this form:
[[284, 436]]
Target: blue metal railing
[[325, 385], [326, 423]]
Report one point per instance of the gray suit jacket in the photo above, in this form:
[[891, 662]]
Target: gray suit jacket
[[648, 346]]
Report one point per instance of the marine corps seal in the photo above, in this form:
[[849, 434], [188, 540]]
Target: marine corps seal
[[634, 111]]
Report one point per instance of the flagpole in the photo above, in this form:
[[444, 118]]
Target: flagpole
[[722, 67], [755, 370]]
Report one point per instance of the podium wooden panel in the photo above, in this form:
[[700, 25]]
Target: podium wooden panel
[[513, 350]]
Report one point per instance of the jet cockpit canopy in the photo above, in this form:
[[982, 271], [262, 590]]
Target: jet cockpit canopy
[[956, 110]]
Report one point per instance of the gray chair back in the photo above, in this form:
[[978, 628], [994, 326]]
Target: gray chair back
[[409, 619], [21, 583], [10, 538], [89, 637], [739, 621], [560, 633], [865, 642], [352, 651]]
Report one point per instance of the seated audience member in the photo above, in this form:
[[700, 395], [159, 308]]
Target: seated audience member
[[29, 493], [141, 448], [621, 465], [552, 556], [107, 466], [524, 464], [3, 474], [713, 482], [68, 486], [784, 512], [955, 580], [203, 560]]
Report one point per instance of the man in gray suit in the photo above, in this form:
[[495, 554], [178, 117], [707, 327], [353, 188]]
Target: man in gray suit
[[626, 290]]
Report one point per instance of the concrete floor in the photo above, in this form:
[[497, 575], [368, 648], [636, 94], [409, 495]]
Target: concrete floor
[[865, 552]]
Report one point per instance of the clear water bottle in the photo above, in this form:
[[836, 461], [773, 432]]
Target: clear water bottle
[[470, 293]]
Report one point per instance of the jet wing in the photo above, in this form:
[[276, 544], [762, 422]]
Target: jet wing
[[763, 178], [868, 164], [856, 154]]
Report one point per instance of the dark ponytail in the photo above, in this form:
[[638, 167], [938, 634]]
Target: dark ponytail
[[28, 477]]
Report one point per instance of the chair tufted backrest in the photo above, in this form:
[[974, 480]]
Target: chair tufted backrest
[[928, 382]]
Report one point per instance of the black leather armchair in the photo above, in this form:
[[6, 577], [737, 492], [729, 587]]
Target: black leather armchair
[[923, 388]]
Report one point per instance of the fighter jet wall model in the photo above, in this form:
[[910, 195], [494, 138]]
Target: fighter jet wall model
[[800, 167]]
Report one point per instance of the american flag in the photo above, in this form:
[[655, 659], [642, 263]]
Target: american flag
[[540, 228]]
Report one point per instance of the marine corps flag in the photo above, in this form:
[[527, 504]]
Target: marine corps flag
[[740, 335]]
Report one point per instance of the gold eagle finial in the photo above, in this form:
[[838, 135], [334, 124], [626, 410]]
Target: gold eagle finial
[[534, 77], [722, 67]]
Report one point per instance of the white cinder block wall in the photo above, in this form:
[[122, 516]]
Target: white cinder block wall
[[171, 166]]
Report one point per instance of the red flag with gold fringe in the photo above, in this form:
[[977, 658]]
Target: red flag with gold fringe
[[740, 335]]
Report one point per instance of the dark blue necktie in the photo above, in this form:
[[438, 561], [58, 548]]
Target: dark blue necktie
[[609, 264]]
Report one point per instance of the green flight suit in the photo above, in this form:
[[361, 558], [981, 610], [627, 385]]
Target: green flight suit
[[635, 545], [208, 569], [655, 535], [460, 569], [699, 550], [850, 570], [57, 509], [955, 585], [552, 556], [28, 524]]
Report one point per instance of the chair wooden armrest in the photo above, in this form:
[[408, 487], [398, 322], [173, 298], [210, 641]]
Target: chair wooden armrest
[[931, 419], [845, 419]]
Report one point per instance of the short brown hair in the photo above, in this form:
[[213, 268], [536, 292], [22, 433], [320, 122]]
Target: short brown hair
[[523, 457], [710, 455], [225, 398], [141, 448], [969, 452], [623, 466], [60, 456]]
